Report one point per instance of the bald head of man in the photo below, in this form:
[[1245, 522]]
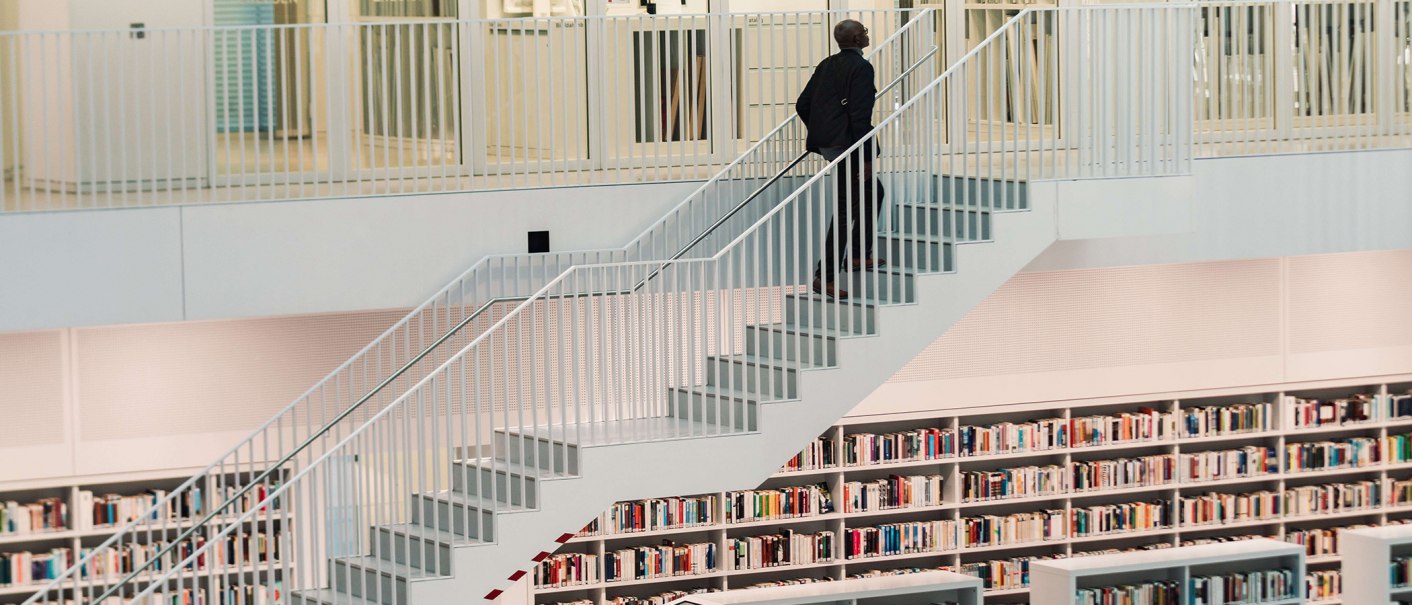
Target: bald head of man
[[850, 34]]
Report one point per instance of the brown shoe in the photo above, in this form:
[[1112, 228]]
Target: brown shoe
[[868, 264], [829, 290]]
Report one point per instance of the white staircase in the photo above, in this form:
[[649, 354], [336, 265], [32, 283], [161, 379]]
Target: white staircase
[[530, 395]]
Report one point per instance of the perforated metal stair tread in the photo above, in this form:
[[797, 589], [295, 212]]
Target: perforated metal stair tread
[[639, 430], [722, 392], [804, 330], [862, 301], [417, 532], [769, 362], [386, 568]]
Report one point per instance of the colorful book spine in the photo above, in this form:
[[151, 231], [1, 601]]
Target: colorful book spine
[[1400, 492], [1119, 518], [1143, 425], [567, 569], [1001, 574], [783, 503], [1013, 438], [895, 491], [899, 539], [1019, 482], [1400, 572], [1308, 413], [238, 549], [662, 561], [1332, 498], [1399, 406], [1248, 461], [1216, 508], [820, 454], [1353, 452], [1211, 421], [1019, 528], [1397, 449], [1090, 475], [863, 449], [779, 550]]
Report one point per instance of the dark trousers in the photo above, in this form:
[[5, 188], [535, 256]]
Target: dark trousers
[[856, 205]]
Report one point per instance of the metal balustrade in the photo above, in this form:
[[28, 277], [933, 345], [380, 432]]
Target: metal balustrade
[[645, 346], [118, 119]]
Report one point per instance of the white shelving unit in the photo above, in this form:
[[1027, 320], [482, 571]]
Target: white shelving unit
[[928, 588], [1367, 554], [1391, 507], [1055, 582], [76, 536]]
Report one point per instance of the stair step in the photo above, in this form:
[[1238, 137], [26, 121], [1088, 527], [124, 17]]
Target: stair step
[[767, 377], [592, 433], [981, 193], [806, 344], [852, 315], [924, 254], [469, 516], [966, 224], [728, 410], [374, 579], [546, 451], [326, 596], [505, 481], [885, 285], [417, 546]]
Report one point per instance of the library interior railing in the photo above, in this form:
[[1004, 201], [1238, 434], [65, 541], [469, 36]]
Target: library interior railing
[[106, 119], [619, 351]]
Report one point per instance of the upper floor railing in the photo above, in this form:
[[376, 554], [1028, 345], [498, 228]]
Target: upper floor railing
[[99, 119]]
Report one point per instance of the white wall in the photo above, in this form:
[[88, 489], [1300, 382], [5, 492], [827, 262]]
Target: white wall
[[256, 259]]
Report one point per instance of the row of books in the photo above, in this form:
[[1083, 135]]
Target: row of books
[[239, 549], [1011, 437], [47, 514], [1400, 491], [21, 568], [819, 454], [1018, 482], [258, 496], [1150, 593], [1400, 571], [1001, 574], [785, 548], [1146, 424], [1089, 475], [657, 599], [1245, 587], [1398, 448], [782, 503], [1351, 452], [567, 569], [1219, 508], [1323, 584], [117, 509], [1399, 406], [1307, 413], [654, 514], [1018, 528], [663, 561], [862, 449], [1229, 464], [1114, 518], [894, 491], [899, 539], [1211, 421], [1332, 497]]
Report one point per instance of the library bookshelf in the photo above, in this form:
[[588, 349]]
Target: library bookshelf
[[1376, 561], [845, 457], [1205, 573], [80, 514]]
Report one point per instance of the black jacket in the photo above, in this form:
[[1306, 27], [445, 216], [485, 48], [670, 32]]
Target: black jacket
[[837, 104]]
